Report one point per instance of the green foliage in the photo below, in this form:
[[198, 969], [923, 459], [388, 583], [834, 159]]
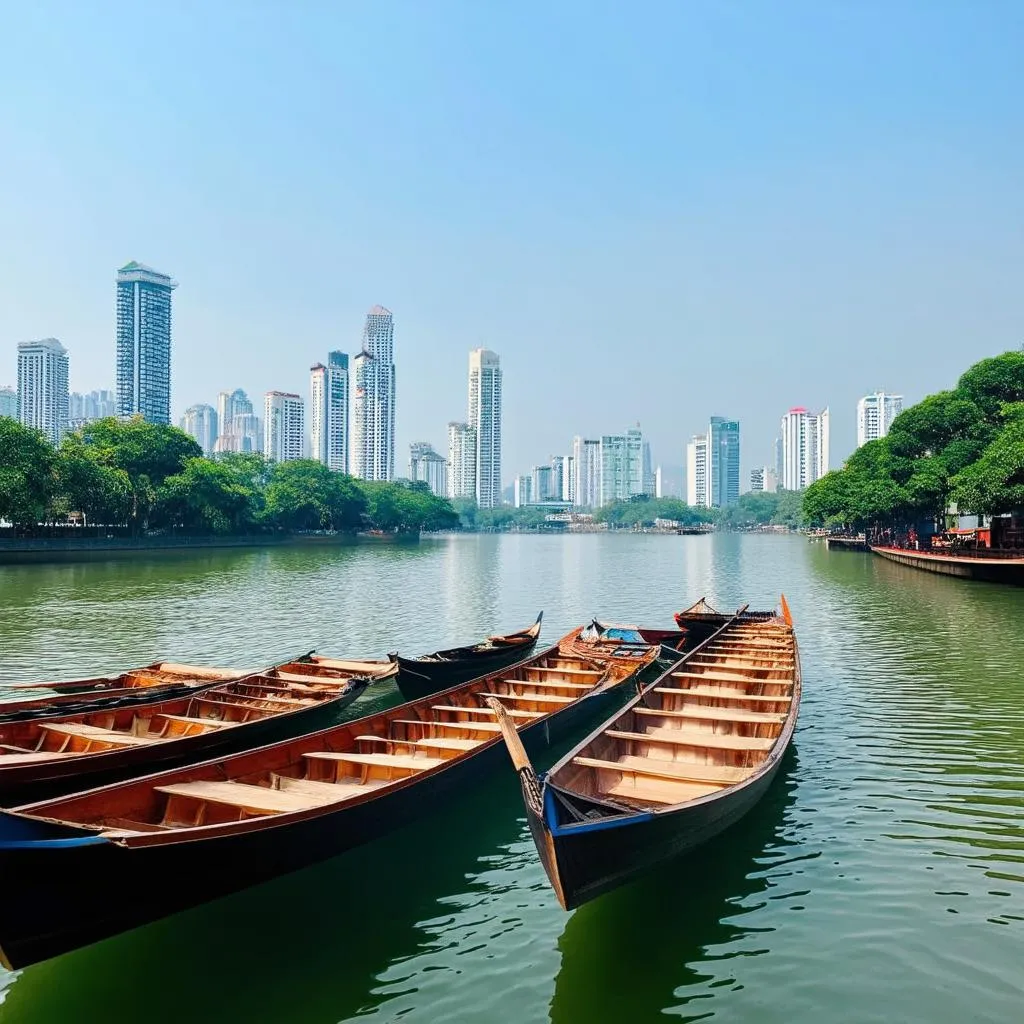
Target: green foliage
[[405, 507], [643, 510], [102, 493], [306, 495], [995, 483], [206, 497], [27, 478]]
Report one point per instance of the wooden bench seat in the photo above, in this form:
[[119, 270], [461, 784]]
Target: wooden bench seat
[[406, 763], [533, 698], [703, 738], [489, 727], [704, 713], [214, 723], [537, 685], [329, 791], [725, 694], [251, 799], [91, 732], [726, 677], [485, 711], [435, 743], [566, 671], [683, 771]]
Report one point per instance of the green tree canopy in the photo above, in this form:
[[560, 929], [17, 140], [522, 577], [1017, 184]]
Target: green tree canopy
[[28, 481], [306, 495]]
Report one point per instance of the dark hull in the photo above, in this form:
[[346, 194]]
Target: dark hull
[[584, 861], [422, 678], [30, 783], [50, 911], [84, 701], [987, 570]]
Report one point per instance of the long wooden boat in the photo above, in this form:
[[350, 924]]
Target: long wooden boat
[[228, 824], [59, 754], [684, 760], [429, 673], [700, 620]]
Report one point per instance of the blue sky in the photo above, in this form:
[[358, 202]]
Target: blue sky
[[654, 212]]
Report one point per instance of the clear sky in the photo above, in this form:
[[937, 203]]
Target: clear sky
[[652, 211]]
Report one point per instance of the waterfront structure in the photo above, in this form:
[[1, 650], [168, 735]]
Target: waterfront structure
[[461, 461], [621, 466], [586, 468], [43, 387], [723, 462], [426, 465], [669, 482], [485, 419], [697, 471], [372, 453], [9, 403], [284, 432], [764, 479], [875, 413], [144, 343], [522, 491], [200, 422], [329, 422], [805, 447]]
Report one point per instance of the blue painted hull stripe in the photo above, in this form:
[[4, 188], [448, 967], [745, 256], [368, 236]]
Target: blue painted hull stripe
[[551, 819]]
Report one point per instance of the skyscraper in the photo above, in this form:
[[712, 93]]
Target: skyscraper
[[875, 414], [542, 484], [723, 462], [622, 471], [586, 467], [522, 490], [648, 470], [805, 445], [329, 424], [43, 387], [144, 343], [9, 403], [461, 461], [200, 422], [485, 419], [697, 471], [284, 432], [239, 427], [96, 405], [426, 465], [372, 455]]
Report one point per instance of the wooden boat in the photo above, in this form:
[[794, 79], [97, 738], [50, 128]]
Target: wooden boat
[[700, 620], [418, 677], [685, 759], [228, 824], [325, 667], [58, 754]]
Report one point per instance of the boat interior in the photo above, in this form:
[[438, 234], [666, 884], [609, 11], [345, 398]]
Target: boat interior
[[220, 707], [319, 667], [163, 673], [343, 763], [707, 726]]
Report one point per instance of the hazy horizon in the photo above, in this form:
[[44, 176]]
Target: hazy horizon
[[656, 214]]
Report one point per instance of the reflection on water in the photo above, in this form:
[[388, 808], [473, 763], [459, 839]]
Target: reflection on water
[[880, 879]]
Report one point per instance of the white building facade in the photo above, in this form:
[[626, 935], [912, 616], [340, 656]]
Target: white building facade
[[329, 406], [372, 453], [43, 387], [697, 471], [200, 422], [622, 466], [461, 461], [875, 414], [284, 429], [426, 465], [805, 447], [485, 419], [9, 403]]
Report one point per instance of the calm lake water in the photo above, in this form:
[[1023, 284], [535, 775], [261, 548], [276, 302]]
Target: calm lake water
[[882, 879]]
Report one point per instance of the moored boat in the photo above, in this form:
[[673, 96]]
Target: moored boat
[[228, 824], [684, 760], [60, 753], [429, 673]]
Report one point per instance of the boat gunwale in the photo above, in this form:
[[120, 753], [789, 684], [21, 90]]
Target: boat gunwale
[[520, 638]]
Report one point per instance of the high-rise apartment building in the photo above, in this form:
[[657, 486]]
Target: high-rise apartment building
[[522, 491], [542, 486], [723, 462], [564, 469], [284, 431], [485, 419], [9, 403], [697, 471], [622, 470], [648, 470], [200, 422], [875, 414], [426, 465], [805, 448], [764, 479], [239, 427], [586, 467], [144, 343], [43, 387], [372, 454], [96, 405], [461, 461], [669, 482], [329, 426]]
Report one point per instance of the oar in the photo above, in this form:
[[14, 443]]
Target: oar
[[520, 759]]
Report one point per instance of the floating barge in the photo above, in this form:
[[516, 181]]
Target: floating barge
[[994, 568]]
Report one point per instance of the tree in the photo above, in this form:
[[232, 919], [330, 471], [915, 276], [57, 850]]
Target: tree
[[102, 493], [994, 382], [396, 507], [27, 479], [206, 497], [306, 495], [995, 483]]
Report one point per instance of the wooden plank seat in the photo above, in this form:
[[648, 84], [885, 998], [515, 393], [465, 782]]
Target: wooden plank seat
[[250, 799], [330, 791], [596, 673], [727, 677], [488, 727], [486, 711], [695, 738], [683, 771], [537, 685], [755, 661], [215, 723], [391, 761], [532, 698], [81, 731], [724, 694], [704, 713], [435, 743]]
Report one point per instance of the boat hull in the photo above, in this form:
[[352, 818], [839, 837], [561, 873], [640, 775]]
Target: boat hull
[[421, 679], [987, 570], [582, 861], [51, 912]]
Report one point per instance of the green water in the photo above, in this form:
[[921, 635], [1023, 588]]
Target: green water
[[882, 879]]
